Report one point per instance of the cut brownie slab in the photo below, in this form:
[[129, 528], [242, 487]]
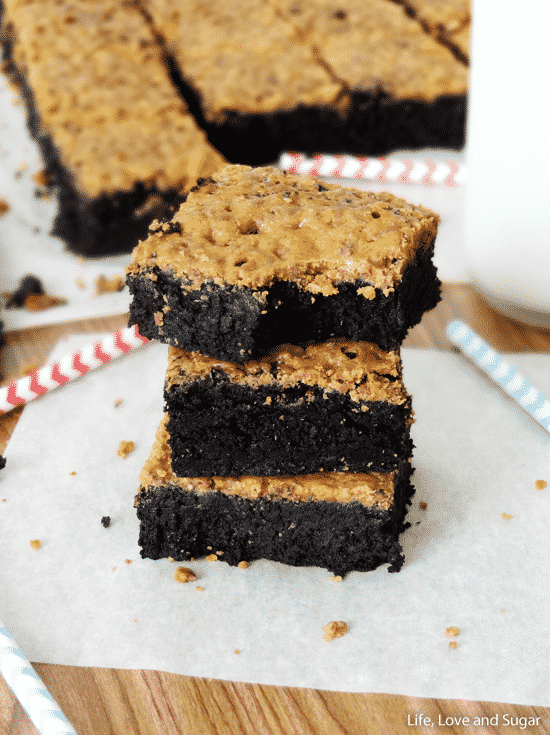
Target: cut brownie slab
[[119, 143], [257, 257], [341, 521], [335, 407]]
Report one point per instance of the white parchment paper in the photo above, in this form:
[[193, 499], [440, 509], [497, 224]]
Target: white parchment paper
[[27, 247], [76, 600]]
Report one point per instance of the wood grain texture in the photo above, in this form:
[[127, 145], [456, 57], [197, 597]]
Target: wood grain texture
[[119, 702]]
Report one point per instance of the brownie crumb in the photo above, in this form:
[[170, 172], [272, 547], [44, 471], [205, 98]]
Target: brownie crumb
[[453, 644], [36, 543], [334, 629], [452, 632], [243, 565], [423, 505], [109, 285], [507, 516], [106, 521], [184, 574], [28, 286], [540, 484], [4, 207], [41, 302], [41, 178], [125, 448], [211, 557], [2, 462]]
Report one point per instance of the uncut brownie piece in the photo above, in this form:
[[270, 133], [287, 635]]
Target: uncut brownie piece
[[338, 406], [256, 258], [119, 143], [341, 521], [407, 89]]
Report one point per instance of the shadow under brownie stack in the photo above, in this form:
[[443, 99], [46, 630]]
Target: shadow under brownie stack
[[286, 433]]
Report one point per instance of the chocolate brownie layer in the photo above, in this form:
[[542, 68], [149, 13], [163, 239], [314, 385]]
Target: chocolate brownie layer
[[335, 407], [340, 521], [258, 257], [119, 143]]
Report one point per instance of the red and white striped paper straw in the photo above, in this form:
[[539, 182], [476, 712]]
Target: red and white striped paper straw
[[390, 170], [70, 367]]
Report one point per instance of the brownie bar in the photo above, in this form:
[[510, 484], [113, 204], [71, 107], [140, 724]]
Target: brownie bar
[[119, 143], [344, 522], [258, 258], [335, 407]]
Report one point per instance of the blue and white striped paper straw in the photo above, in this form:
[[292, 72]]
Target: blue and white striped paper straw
[[530, 398], [30, 690]]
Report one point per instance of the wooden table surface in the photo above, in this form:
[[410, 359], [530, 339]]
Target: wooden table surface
[[121, 702]]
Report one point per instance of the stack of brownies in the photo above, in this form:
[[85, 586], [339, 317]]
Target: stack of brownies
[[287, 427]]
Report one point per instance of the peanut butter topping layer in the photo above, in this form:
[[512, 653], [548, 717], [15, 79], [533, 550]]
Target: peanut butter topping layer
[[359, 370], [375, 489], [105, 97], [253, 226], [375, 45], [241, 56]]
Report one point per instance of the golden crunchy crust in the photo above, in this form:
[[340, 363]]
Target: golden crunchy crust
[[359, 370], [375, 45], [374, 489], [252, 226], [241, 56], [105, 97]]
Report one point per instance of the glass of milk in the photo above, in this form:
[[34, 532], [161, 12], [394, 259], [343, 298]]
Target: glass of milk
[[508, 158]]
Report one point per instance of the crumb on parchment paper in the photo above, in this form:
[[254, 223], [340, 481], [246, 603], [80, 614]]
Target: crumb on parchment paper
[[452, 632], [36, 543], [453, 644], [4, 206], [540, 484], [336, 578], [211, 557], [507, 516], [334, 629], [243, 565], [106, 521], [118, 402], [184, 574], [423, 505], [199, 589], [109, 285], [125, 448]]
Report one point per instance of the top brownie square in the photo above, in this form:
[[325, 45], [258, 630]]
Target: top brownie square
[[258, 257]]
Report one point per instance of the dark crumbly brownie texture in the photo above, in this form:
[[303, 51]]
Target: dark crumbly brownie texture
[[334, 407], [98, 93], [178, 519], [259, 257]]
